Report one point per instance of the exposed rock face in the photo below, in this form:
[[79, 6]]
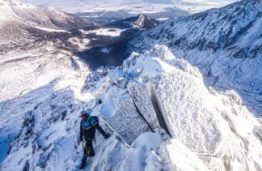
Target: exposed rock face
[[145, 22]]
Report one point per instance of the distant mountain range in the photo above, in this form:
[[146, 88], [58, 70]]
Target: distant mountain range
[[136, 6], [22, 24]]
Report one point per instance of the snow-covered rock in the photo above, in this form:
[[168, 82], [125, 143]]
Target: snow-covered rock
[[213, 125], [225, 44], [144, 22]]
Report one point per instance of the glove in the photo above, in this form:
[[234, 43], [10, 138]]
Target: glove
[[107, 136]]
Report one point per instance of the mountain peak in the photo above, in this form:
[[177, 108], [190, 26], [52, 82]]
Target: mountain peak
[[144, 21]]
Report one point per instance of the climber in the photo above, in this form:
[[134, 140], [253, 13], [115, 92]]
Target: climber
[[88, 127]]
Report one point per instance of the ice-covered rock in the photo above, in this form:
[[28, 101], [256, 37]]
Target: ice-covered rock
[[214, 126]]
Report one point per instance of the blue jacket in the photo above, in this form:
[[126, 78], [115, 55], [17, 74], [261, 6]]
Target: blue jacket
[[88, 128]]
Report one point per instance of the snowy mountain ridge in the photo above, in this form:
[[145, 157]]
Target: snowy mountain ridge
[[133, 6], [224, 43], [210, 100], [216, 29], [20, 22], [32, 15], [207, 126]]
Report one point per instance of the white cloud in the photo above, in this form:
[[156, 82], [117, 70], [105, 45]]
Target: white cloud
[[130, 5]]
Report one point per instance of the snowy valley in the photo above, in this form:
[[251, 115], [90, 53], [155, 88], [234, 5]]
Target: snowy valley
[[183, 94]]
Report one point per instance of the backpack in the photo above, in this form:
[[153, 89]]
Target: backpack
[[90, 122]]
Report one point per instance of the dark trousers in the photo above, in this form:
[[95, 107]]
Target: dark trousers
[[88, 148], [88, 151]]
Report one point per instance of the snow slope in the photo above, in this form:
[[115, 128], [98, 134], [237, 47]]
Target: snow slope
[[211, 130], [41, 93], [224, 43], [28, 14], [211, 113], [20, 22]]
